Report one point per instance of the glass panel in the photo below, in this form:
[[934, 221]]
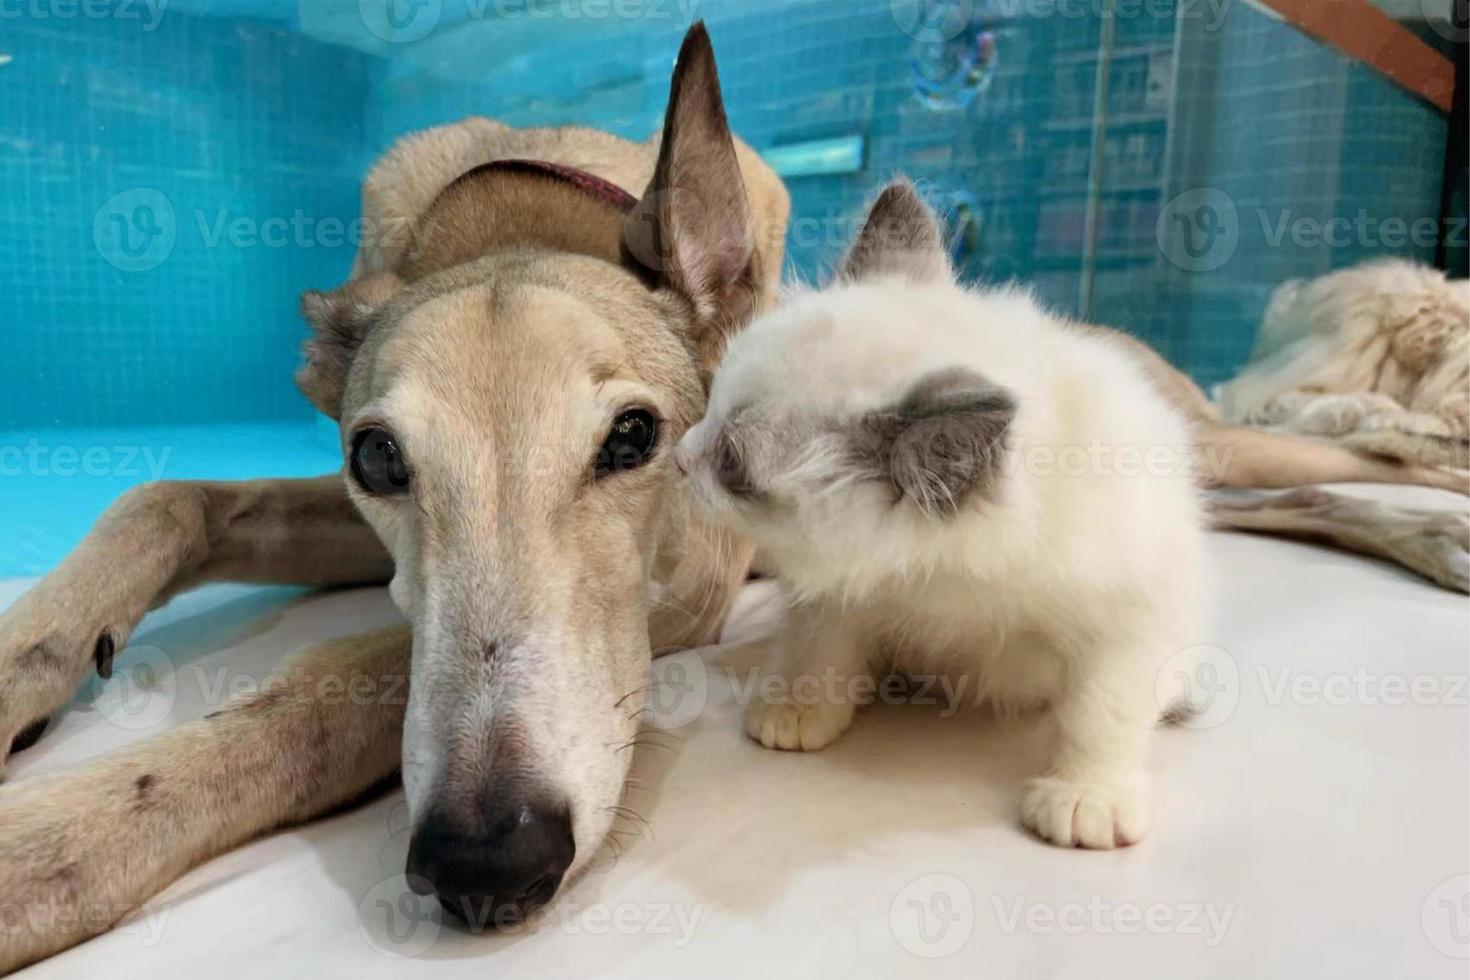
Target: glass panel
[[175, 175]]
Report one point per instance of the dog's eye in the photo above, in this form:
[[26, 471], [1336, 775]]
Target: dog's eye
[[378, 465], [630, 443]]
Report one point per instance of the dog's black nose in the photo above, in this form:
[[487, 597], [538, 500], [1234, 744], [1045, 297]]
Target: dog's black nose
[[495, 869]]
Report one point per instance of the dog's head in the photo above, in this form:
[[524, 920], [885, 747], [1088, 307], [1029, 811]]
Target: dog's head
[[509, 400]]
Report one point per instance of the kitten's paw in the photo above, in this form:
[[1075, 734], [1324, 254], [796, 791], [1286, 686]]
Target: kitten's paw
[[797, 727], [1079, 813]]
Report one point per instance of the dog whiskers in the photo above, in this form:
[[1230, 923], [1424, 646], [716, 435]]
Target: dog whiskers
[[642, 741], [656, 733], [637, 690], [628, 813]]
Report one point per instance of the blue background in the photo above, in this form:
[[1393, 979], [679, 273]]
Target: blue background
[[134, 318]]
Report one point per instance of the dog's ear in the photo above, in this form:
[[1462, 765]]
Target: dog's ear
[[901, 237], [944, 441], [339, 321], [693, 230]]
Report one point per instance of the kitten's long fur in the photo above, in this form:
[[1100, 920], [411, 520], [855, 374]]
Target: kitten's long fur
[[953, 481]]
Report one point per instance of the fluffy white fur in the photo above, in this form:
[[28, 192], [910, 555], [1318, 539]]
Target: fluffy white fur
[[1064, 578], [1377, 355]]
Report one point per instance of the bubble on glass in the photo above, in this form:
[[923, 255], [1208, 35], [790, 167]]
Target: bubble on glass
[[949, 74]]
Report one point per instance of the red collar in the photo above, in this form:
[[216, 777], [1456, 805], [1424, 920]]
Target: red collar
[[603, 190]]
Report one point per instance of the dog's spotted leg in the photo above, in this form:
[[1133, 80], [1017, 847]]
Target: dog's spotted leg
[[82, 848], [155, 542], [1436, 544]]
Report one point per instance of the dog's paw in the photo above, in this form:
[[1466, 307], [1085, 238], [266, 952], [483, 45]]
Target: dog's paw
[[1395, 441], [1277, 411], [797, 727], [1440, 550], [1083, 813], [48, 643]]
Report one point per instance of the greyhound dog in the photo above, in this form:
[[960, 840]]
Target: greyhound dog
[[510, 380]]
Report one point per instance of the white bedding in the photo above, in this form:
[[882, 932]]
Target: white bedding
[[1320, 828]]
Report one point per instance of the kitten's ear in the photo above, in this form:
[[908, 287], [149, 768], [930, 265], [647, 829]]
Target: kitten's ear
[[943, 442], [901, 237], [693, 231], [340, 320]]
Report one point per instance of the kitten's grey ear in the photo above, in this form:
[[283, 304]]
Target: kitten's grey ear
[[901, 237], [943, 442]]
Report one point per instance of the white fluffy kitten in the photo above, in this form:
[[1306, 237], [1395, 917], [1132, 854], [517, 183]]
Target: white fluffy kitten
[[953, 482]]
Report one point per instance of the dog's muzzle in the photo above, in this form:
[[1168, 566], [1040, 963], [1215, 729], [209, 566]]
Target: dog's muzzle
[[496, 869]]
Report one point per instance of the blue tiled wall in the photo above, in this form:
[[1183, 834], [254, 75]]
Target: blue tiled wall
[[173, 174], [231, 110], [174, 134], [1293, 136]]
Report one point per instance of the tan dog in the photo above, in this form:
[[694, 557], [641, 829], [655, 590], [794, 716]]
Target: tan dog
[[509, 379], [1376, 356]]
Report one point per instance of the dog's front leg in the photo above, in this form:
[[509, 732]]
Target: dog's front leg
[[157, 541], [1433, 543], [82, 848]]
